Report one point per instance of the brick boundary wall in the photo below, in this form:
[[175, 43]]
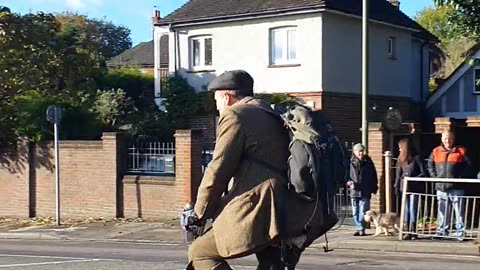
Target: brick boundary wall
[[153, 197], [14, 185], [92, 182], [88, 180]]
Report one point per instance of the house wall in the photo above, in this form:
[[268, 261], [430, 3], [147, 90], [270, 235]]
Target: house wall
[[456, 98], [245, 45], [344, 110], [418, 87], [342, 57], [329, 38]]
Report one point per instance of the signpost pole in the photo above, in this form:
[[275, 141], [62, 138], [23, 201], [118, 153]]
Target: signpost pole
[[54, 115], [57, 176]]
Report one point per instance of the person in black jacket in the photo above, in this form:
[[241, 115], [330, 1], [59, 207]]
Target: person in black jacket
[[363, 183], [410, 164]]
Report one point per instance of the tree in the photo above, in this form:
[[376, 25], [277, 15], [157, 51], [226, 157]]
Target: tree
[[47, 60], [180, 102], [86, 44], [28, 55], [28, 62], [79, 121], [467, 15], [454, 42], [436, 21], [137, 85], [4, 9], [99, 36], [456, 50], [112, 106]]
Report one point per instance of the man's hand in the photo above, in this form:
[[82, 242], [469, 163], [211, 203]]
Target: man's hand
[[193, 221], [195, 226]]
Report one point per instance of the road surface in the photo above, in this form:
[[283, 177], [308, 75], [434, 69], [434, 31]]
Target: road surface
[[55, 255]]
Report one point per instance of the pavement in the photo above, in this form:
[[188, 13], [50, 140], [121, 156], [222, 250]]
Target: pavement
[[168, 232]]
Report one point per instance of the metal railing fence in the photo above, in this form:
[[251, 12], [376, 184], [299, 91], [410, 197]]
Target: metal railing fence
[[151, 157], [440, 215]]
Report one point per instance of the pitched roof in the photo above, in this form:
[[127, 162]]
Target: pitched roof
[[473, 52], [140, 55], [205, 10]]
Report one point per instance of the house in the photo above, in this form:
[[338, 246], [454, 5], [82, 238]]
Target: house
[[141, 57], [455, 105], [310, 49]]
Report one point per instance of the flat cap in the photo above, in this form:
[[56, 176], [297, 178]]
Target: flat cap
[[233, 80]]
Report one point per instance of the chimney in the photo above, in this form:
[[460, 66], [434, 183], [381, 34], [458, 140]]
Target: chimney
[[156, 17], [395, 3]]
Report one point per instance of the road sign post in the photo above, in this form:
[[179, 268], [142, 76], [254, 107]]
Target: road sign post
[[54, 115]]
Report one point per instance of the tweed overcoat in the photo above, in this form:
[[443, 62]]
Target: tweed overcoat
[[258, 209]]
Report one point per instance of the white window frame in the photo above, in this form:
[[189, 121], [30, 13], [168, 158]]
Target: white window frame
[[474, 81], [201, 40], [285, 46], [392, 47]]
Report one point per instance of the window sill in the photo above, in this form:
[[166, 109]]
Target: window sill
[[284, 65], [476, 92], [393, 58], [200, 70]]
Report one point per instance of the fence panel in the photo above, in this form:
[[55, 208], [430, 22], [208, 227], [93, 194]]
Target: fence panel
[[440, 215], [151, 158]]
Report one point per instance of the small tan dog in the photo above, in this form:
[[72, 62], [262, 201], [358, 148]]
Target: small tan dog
[[382, 221]]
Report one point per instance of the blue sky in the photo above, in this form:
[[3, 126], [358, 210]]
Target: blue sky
[[136, 14]]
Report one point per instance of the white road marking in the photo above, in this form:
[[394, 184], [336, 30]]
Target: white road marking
[[250, 267], [52, 257], [38, 256], [421, 255], [49, 263], [65, 260]]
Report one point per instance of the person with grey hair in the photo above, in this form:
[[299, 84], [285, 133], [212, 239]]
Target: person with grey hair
[[363, 183]]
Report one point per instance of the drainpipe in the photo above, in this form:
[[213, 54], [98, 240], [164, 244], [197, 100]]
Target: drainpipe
[[422, 108]]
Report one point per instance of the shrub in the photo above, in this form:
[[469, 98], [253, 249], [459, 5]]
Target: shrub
[[180, 100]]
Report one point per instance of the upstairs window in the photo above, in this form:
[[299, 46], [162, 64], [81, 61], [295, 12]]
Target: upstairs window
[[201, 52], [283, 46], [392, 44]]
